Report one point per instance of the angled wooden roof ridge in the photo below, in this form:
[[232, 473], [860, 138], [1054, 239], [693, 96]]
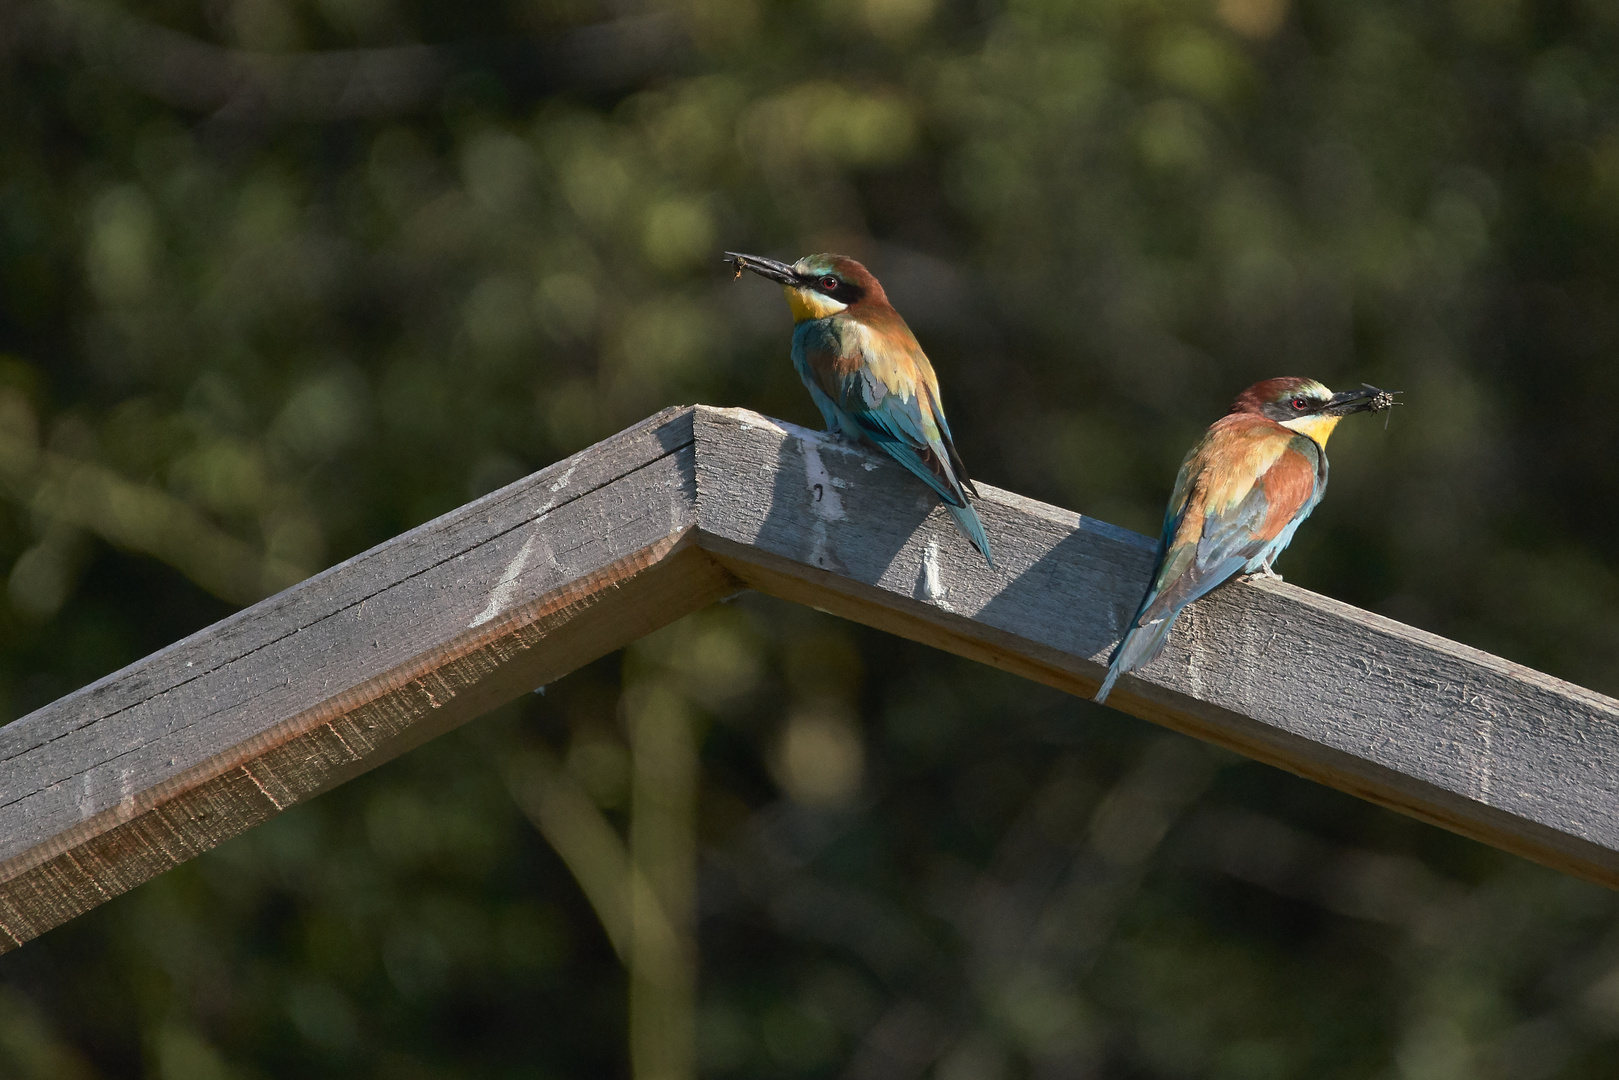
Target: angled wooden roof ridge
[[198, 742]]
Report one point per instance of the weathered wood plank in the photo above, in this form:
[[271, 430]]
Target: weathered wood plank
[[1429, 727], [154, 764]]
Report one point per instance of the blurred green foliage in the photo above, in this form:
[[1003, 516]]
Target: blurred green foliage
[[252, 324]]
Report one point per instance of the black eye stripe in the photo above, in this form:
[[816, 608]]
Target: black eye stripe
[[1294, 407], [833, 286]]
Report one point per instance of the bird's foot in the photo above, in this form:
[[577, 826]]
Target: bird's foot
[[1264, 573]]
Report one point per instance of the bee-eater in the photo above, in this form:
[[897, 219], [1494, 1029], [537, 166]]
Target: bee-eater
[[867, 374], [1241, 494]]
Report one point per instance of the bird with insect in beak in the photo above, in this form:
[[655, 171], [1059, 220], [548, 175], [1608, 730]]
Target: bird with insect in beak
[[868, 375], [1241, 494]]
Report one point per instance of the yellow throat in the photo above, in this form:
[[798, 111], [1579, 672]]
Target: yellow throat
[[809, 304], [1316, 427]]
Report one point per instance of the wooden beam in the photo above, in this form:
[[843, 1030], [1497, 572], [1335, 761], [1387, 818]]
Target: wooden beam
[[1429, 727], [156, 763]]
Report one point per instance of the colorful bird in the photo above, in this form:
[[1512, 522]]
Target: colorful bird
[[1240, 496], [867, 374]]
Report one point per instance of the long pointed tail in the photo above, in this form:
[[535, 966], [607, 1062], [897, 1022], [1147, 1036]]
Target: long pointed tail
[[967, 518], [943, 481], [1138, 649]]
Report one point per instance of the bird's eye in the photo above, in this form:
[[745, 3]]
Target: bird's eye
[[1300, 404], [829, 283]]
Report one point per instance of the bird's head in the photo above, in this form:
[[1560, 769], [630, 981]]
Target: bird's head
[[817, 286], [1306, 406]]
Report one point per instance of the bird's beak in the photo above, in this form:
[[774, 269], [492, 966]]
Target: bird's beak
[[1367, 399], [769, 268]]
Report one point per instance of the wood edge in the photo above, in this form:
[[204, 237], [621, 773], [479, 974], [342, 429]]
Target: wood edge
[[154, 830], [1374, 783], [663, 418], [1080, 676]]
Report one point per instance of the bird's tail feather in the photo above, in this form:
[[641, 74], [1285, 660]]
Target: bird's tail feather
[[1139, 648], [967, 518], [944, 485]]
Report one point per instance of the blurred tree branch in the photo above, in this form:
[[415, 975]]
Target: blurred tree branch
[[146, 519], [663, 848], [558, 806], [342, 84], [66, 494], [634, 890], [1037, 919]]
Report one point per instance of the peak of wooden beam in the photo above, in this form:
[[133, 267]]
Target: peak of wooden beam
[[191, 746], [152, 765]]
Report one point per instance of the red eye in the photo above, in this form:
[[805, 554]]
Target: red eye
[[830, 283], [1300, 404]]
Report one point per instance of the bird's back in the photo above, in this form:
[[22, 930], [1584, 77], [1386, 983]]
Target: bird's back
[[871, 380], [1241, 493]]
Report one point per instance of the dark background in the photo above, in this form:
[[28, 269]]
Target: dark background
[[282, 278]]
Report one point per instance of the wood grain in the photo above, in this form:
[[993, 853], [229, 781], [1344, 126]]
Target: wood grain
[[194, 744]]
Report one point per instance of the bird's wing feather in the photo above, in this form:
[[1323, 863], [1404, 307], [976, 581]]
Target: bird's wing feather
[[870, 378], [884, 382], [1240, 487], [899, 426]]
